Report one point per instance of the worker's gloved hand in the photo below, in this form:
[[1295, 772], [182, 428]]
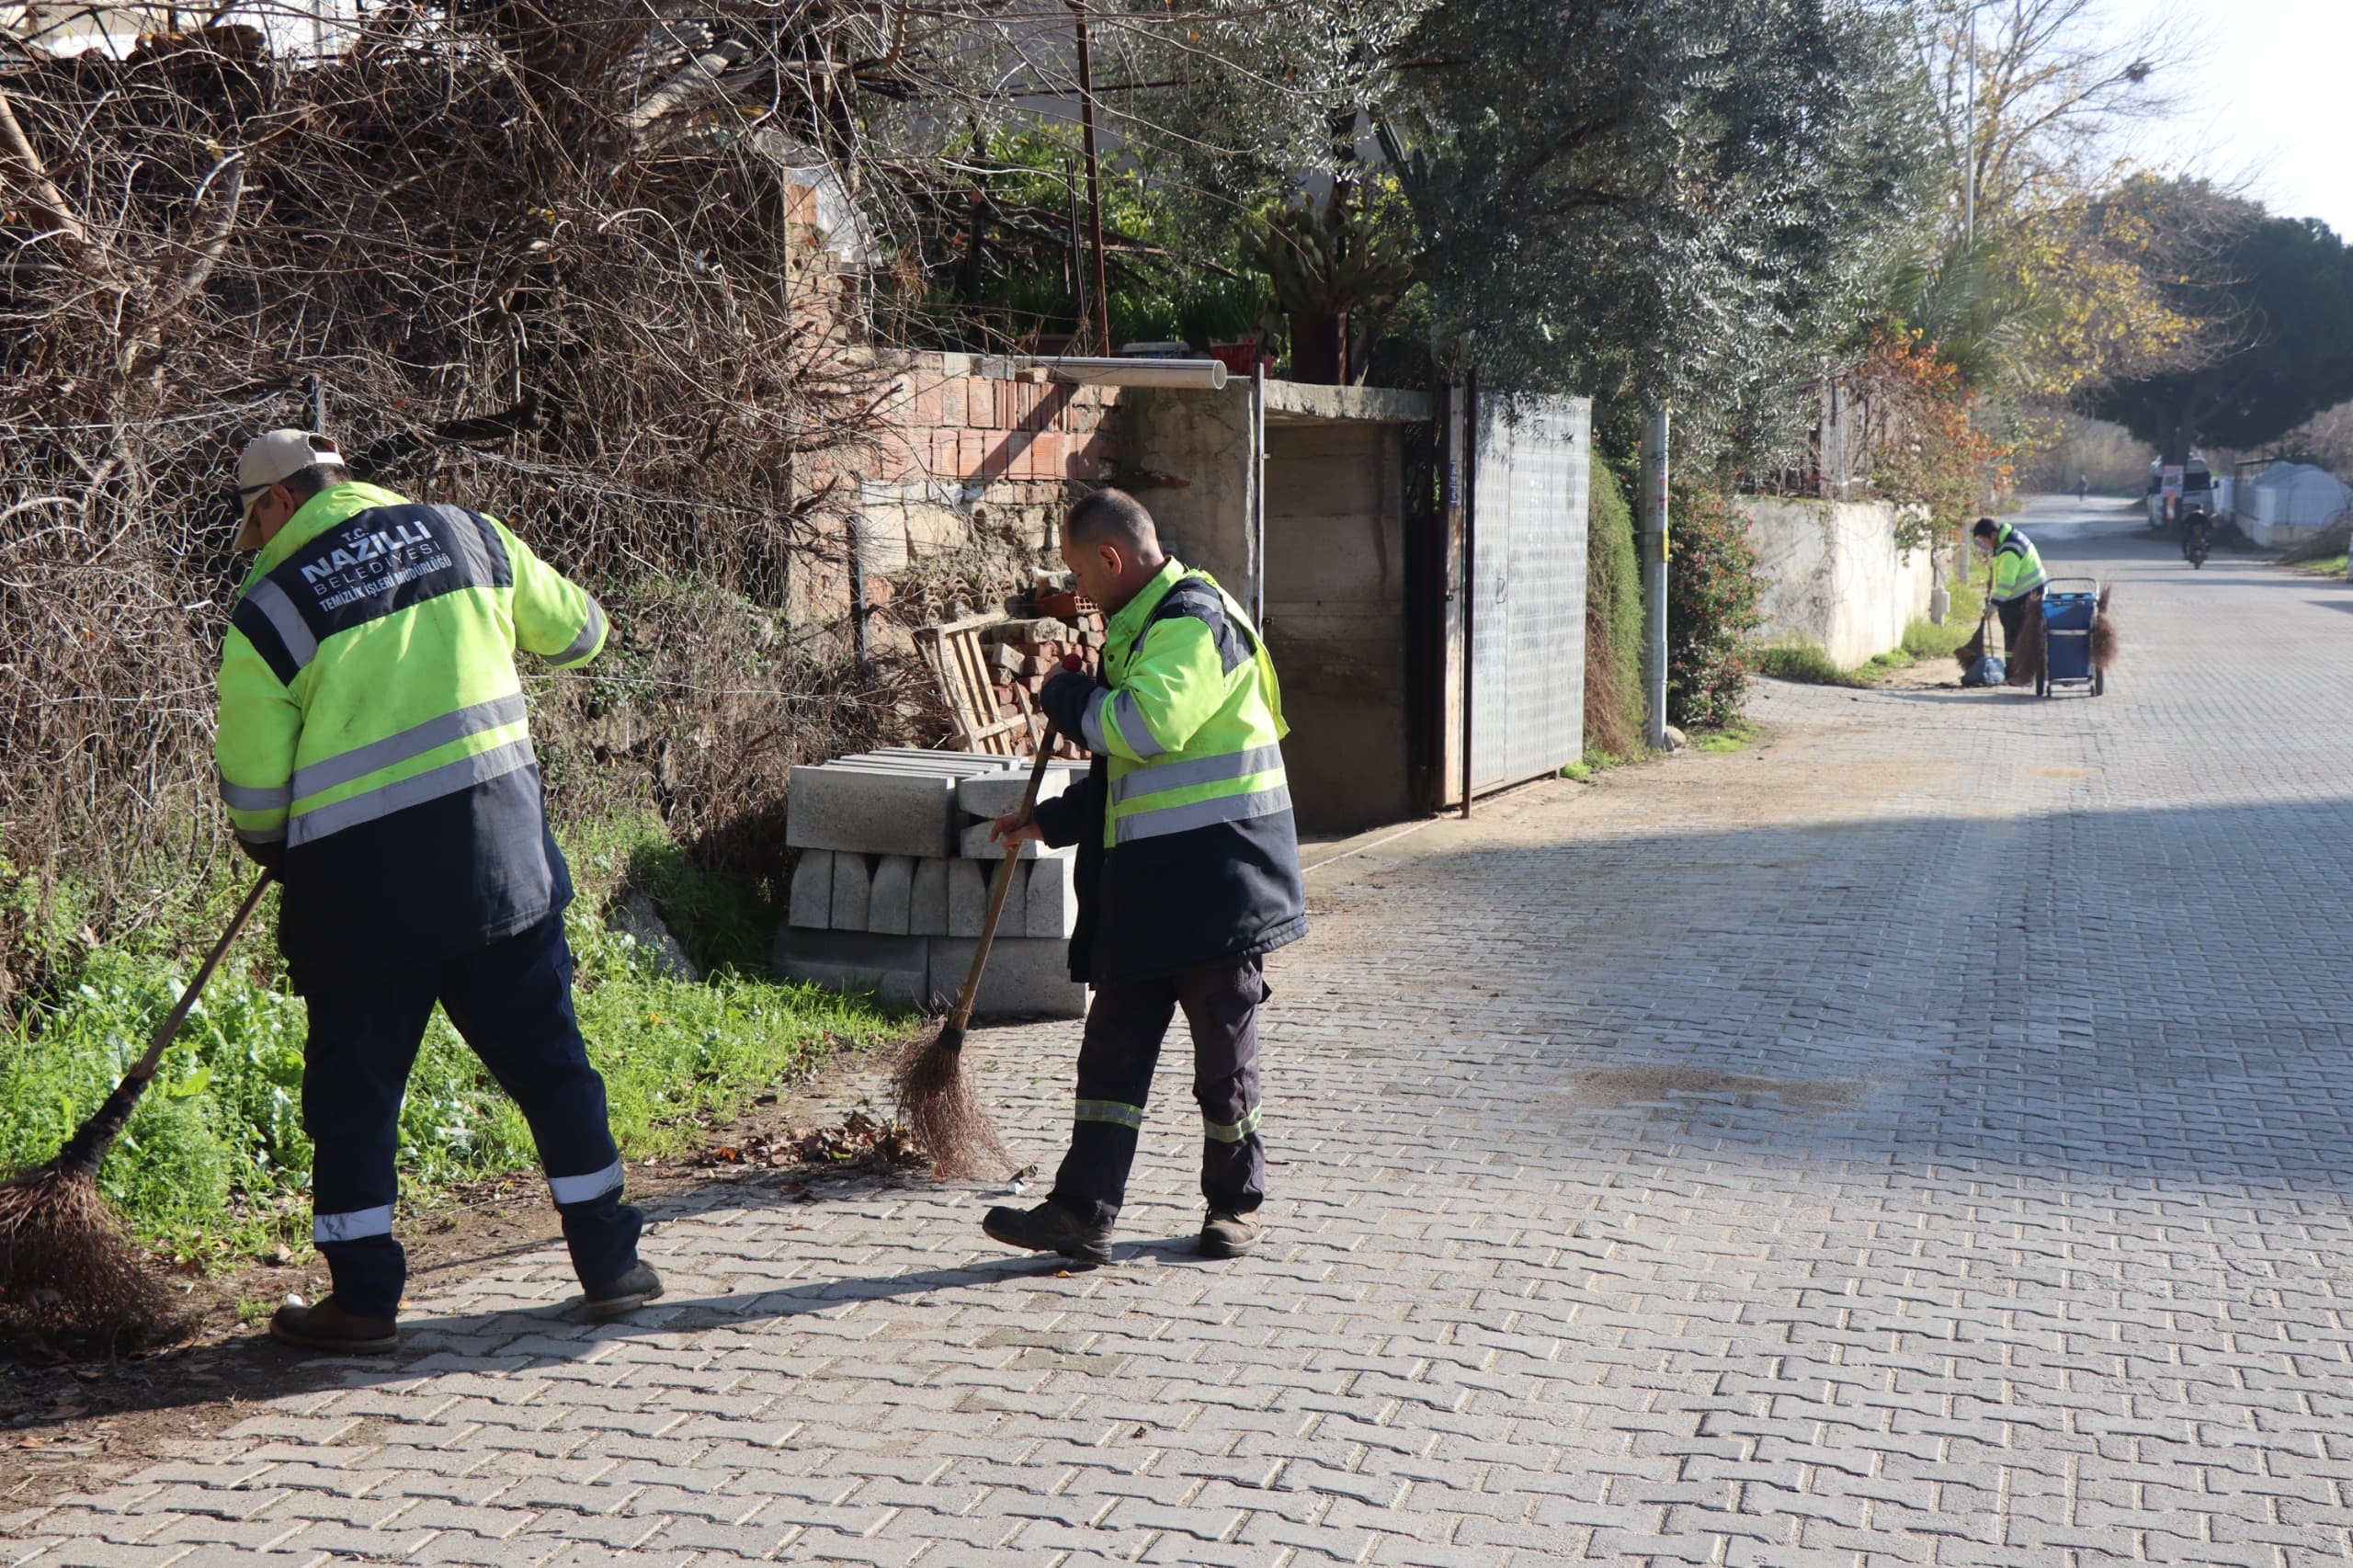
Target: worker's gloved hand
[[1065, 699]]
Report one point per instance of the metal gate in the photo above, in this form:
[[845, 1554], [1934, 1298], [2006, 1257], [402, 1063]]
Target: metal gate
[[1525, 538]]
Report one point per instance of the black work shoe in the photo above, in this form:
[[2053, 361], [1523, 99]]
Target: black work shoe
[[1050, 1227], [1229, 1235], [328, 1326], [628, 1294]]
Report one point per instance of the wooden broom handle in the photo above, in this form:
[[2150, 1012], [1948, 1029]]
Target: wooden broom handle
[[144, 1068]]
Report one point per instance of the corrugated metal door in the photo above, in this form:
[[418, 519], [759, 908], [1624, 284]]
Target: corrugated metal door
[[1528, 526]]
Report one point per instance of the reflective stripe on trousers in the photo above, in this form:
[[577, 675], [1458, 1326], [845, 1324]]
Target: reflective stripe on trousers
[[355, 1225], [1130, 1116], [1235, 1133], [584, 1188]]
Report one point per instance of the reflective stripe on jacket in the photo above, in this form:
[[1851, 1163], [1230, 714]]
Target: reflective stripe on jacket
[[1191, 722], [2018, 565], [373, 721], [1190, 854]]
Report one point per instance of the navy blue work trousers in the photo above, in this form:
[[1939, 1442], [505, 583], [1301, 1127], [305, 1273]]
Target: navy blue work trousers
[[512, 1001], [1116, 1061]]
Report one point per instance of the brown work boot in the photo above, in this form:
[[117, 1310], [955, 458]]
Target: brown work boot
[[328, 1326], [628, 1294], [1050, 1227], [1229, 1235]]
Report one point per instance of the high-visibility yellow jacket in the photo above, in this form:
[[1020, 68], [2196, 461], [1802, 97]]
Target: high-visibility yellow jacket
[[2018, 565], [1188, 852], [371, 723]]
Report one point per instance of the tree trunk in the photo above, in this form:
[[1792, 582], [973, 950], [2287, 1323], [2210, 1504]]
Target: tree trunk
[[1319, 347]]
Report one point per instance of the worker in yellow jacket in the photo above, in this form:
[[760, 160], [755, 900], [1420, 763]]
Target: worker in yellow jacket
[[1187, 877], [2016, 591], [373, 752]]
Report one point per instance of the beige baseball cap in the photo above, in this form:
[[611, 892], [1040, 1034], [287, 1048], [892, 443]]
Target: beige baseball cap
[[270, 458]]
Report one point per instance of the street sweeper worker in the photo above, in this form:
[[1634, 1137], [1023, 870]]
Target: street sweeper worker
[[1187, 877], [2017, 575], [373, 752]]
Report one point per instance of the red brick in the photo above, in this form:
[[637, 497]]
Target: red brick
[[926, 403], [972, 451], [892, 456]]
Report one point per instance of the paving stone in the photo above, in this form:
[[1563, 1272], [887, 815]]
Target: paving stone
[[974, 844], [968, 897], [893, 968], [1052, 898], [993, 795], [889, 899], [812, 902], [927, 898], [1917, 1136], [872, 810], [1025, 978], [853, 891]]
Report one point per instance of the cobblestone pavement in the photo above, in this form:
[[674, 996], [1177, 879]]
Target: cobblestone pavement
[[1922, 1138]]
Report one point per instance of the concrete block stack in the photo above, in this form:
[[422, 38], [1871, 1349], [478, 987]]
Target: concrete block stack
[[892, 881]]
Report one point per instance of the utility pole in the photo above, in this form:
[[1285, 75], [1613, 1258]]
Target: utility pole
[[1653, 520], [1094, 178], [1969, 153]]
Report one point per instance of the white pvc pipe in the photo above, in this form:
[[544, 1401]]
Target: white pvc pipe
[[1201, 375]]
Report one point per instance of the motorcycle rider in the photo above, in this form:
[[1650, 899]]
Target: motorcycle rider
[[2196, 535]]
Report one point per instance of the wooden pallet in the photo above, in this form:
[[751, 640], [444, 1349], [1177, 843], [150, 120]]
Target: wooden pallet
[[962, 667]]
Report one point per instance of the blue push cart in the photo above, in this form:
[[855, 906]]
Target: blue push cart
[[2069, 605]]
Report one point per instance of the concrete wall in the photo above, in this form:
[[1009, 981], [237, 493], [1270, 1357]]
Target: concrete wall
[[1834, 577], [1336, 619], [1335, 569], [2290, 503], [1183, 457]]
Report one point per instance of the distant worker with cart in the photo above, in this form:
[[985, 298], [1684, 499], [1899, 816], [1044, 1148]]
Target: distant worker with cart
[[2018, 577]]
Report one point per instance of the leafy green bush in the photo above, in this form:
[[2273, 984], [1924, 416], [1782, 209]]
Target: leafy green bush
[[215, 1160], [1711, 592], [1614, 620]]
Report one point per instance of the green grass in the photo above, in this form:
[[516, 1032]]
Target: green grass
[[1597, 761], [1806, 662], [2326, 566], [1735, 736], [215, 1165], [1925, 640]]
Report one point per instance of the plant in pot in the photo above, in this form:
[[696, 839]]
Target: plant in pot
[[1328, 263]]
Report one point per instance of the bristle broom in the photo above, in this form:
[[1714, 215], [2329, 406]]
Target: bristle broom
[[67, 1265], [939, 1105], [936, 1100]]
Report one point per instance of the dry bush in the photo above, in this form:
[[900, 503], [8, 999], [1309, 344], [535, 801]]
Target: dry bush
[[554, 271]]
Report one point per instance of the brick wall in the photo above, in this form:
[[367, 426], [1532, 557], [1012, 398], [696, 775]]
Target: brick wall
[[958, 493]]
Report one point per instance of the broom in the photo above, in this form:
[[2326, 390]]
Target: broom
[[65, 1263], [936, 1100]]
